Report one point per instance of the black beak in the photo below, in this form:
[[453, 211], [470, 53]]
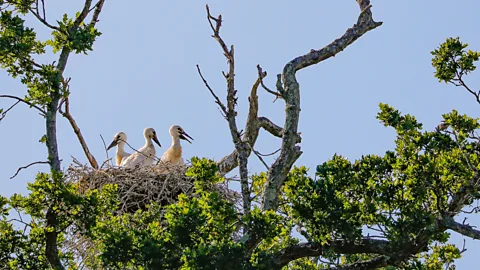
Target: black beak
[[113, 144], [156, 140], [185, 138]]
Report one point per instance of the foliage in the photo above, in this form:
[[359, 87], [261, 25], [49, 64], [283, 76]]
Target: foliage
[[388, 209]]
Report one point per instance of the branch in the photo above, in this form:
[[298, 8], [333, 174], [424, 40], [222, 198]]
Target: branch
[[464, 229], [309, 249], [7, 110], [44, 18], [290, 151], [240, 145], [262, 74], [252, 127], [374, 263], [217, 100], [77, 131], [98, 9], [25, 167], [42, 112]]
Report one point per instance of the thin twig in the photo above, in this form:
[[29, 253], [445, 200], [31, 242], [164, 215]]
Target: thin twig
[[271, 154], [42, 112], [25, 167], [6, 111], [106, 151], [217, 100], [259, 157]]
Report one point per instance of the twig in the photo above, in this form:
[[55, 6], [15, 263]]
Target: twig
[[42, 112], [6, 111], [271, 154], [105, 147], [263, 74], [217, 100], [259, 157], [31, 164]]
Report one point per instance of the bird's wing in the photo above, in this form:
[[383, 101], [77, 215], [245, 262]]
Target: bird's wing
[[133, 160]]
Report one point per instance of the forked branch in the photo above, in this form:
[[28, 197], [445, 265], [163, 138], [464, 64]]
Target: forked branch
[[290, 151], [230, 113]]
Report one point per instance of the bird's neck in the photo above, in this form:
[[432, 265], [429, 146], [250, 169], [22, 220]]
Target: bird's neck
[[148, 142], [176, 142], [121, 148]]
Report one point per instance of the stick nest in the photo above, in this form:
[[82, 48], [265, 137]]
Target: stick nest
[[137, 188]]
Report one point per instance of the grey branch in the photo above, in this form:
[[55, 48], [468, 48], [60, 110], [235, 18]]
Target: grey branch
[[464, 229], [262, 74], [374, 263], [309, 249], [98, 9], [76, 129], [25, 167], [42, 112], [290, 151], [240, 145]]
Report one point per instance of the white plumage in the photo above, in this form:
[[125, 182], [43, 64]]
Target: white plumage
[[173, 155], [145, 155], [119, 140]]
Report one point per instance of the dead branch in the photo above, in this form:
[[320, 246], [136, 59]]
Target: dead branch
[[240, 145], [25, 167], [217, 100], [261, 75], [42, 112], [76, 129], [98, 9], [7, 110], [290, 151]]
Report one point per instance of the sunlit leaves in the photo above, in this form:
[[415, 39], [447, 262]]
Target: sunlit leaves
[[451, 61], [76, 39]]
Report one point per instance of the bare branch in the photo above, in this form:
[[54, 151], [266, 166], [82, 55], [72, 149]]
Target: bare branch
[[76, 129], [25, 167], [43, 19], [309, 249], [290, 151], [98, 9], [464, 229], [105, 147], [240, 145], [259, 157], [7, 110], [374, 263], [42, 112], [217, 100], [261, 75]]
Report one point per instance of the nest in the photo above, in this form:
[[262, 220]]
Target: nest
[[137, 188]]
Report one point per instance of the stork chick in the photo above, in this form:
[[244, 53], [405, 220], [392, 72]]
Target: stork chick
[[145, 155], [173, 155], [119, 140]]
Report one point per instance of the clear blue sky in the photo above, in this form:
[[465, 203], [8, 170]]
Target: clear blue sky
[[142, 74]]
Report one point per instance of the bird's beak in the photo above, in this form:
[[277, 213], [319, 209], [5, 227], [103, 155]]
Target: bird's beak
[[182, 136], [113, 144], [156, 140]]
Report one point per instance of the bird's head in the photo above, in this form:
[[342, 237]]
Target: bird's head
[[177, 131]]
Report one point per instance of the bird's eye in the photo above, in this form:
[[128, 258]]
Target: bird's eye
[[118, 137]]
